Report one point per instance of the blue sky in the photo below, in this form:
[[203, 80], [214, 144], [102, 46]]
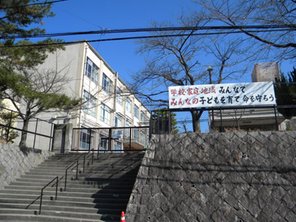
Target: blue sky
[[122, 56], [78, 15]]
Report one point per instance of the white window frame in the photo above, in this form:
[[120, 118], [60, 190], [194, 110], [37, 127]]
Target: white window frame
[[107, 84], [128, 105], [90, 103], [105, 114], [136, 111], [92, 70], [119, 99], [116, 118]]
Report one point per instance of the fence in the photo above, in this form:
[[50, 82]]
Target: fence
[[39, 132], [114, 139], [224, 119]]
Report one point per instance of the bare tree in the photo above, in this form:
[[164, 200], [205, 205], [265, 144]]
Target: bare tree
[[35, 92], [178, 59], [281, 14]]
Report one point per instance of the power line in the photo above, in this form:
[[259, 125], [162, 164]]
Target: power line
[[160, 29], [137, 37], [32, 4]]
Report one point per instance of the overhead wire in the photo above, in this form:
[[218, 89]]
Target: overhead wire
[[155, 29], [32, 4], [137, 37]]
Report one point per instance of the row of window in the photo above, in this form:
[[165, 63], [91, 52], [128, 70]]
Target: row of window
[[92, 72], [90, 101], [90, 104]]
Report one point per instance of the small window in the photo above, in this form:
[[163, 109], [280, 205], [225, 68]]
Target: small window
[[103, 143], [144, 118], [85, 139], [92, 71], [90, 103], [128, 105], [118, 95], [107, 84], [118, 120], [136, 112], [105, 114]]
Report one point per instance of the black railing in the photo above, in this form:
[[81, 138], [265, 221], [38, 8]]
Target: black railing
[[40, 197], [13, 122], [75, 165], [222, 118], [112, 139]]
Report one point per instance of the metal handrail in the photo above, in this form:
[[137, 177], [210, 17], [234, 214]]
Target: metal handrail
[[71, 167], [56, 184], [34, 132], [75, 164], [56, 179]]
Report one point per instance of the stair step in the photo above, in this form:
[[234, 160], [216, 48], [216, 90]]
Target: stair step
[[82, 209], [94, 199], [58, 202], [74, 214], [43, 218], [99, 194]]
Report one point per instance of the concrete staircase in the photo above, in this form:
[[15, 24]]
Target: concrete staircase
[[100, 194]]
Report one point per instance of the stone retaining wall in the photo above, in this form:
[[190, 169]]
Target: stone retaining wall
[[14, 163], [233, 176]]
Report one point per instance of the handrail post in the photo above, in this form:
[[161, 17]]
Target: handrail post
[[51, 140], [77, 164], [109, 139], [57, 184], [83, 163], [40, 204], [66, 174], [130, 141], [89, 145]]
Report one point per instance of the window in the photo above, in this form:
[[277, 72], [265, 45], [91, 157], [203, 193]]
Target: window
[[85, 139], [92, 71], [128, 105], [118, 95], [128, 122], [105, 114], [136, 111], [136, 135], [103, 143], [107, 84], [90, 103], [118, 120], [144, 118]]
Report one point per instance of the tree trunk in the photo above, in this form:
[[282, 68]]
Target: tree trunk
[[195, 114], [23, 143]]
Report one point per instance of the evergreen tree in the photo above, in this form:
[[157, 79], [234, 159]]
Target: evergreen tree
[[285, 89], [20, 82]]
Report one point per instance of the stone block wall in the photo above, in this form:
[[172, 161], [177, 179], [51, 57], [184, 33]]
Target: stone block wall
[[14, 163], [233, 176]]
